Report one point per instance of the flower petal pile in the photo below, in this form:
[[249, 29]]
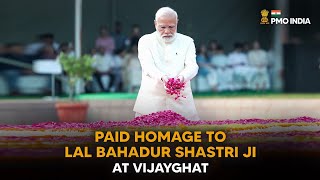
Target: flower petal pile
[[298, 133], [175, 87]]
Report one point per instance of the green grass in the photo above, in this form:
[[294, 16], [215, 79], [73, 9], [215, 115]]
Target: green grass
[[252, 94], [21, 97], [244, 94], [120, 96], [107, 96]]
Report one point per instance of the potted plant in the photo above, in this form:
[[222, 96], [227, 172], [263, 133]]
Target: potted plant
[[76, 69]]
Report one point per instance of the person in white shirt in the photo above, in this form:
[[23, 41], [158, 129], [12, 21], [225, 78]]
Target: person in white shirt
[[133, 70], [224, 73], [103, 65], [238, 60], [116, 70], [258, 60], [166, 54]]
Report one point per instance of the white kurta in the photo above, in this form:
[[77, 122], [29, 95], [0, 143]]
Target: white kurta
[[258, 61], [158, 59]]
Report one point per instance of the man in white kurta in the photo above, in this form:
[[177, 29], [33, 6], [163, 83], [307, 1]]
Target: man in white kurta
[[258, 61], [166, 54]]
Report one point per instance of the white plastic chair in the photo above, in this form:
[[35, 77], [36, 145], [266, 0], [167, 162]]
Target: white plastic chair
[[48, 66]]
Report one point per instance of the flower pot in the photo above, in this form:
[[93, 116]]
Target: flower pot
[[72, 111]]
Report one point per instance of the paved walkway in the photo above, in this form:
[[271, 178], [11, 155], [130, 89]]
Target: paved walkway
[[34, 111]]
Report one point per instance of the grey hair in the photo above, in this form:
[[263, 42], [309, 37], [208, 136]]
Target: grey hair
[[165, 11]]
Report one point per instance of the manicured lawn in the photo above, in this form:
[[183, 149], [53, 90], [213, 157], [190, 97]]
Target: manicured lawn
[[244, 94], [210, 95]]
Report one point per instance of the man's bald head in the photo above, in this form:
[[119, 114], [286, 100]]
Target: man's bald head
[[166, 12]]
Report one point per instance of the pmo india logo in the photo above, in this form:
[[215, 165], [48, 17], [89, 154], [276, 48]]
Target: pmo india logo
[[264, 19], [277, 19]]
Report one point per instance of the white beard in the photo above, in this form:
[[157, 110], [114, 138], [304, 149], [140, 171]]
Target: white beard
[[167, 39]]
